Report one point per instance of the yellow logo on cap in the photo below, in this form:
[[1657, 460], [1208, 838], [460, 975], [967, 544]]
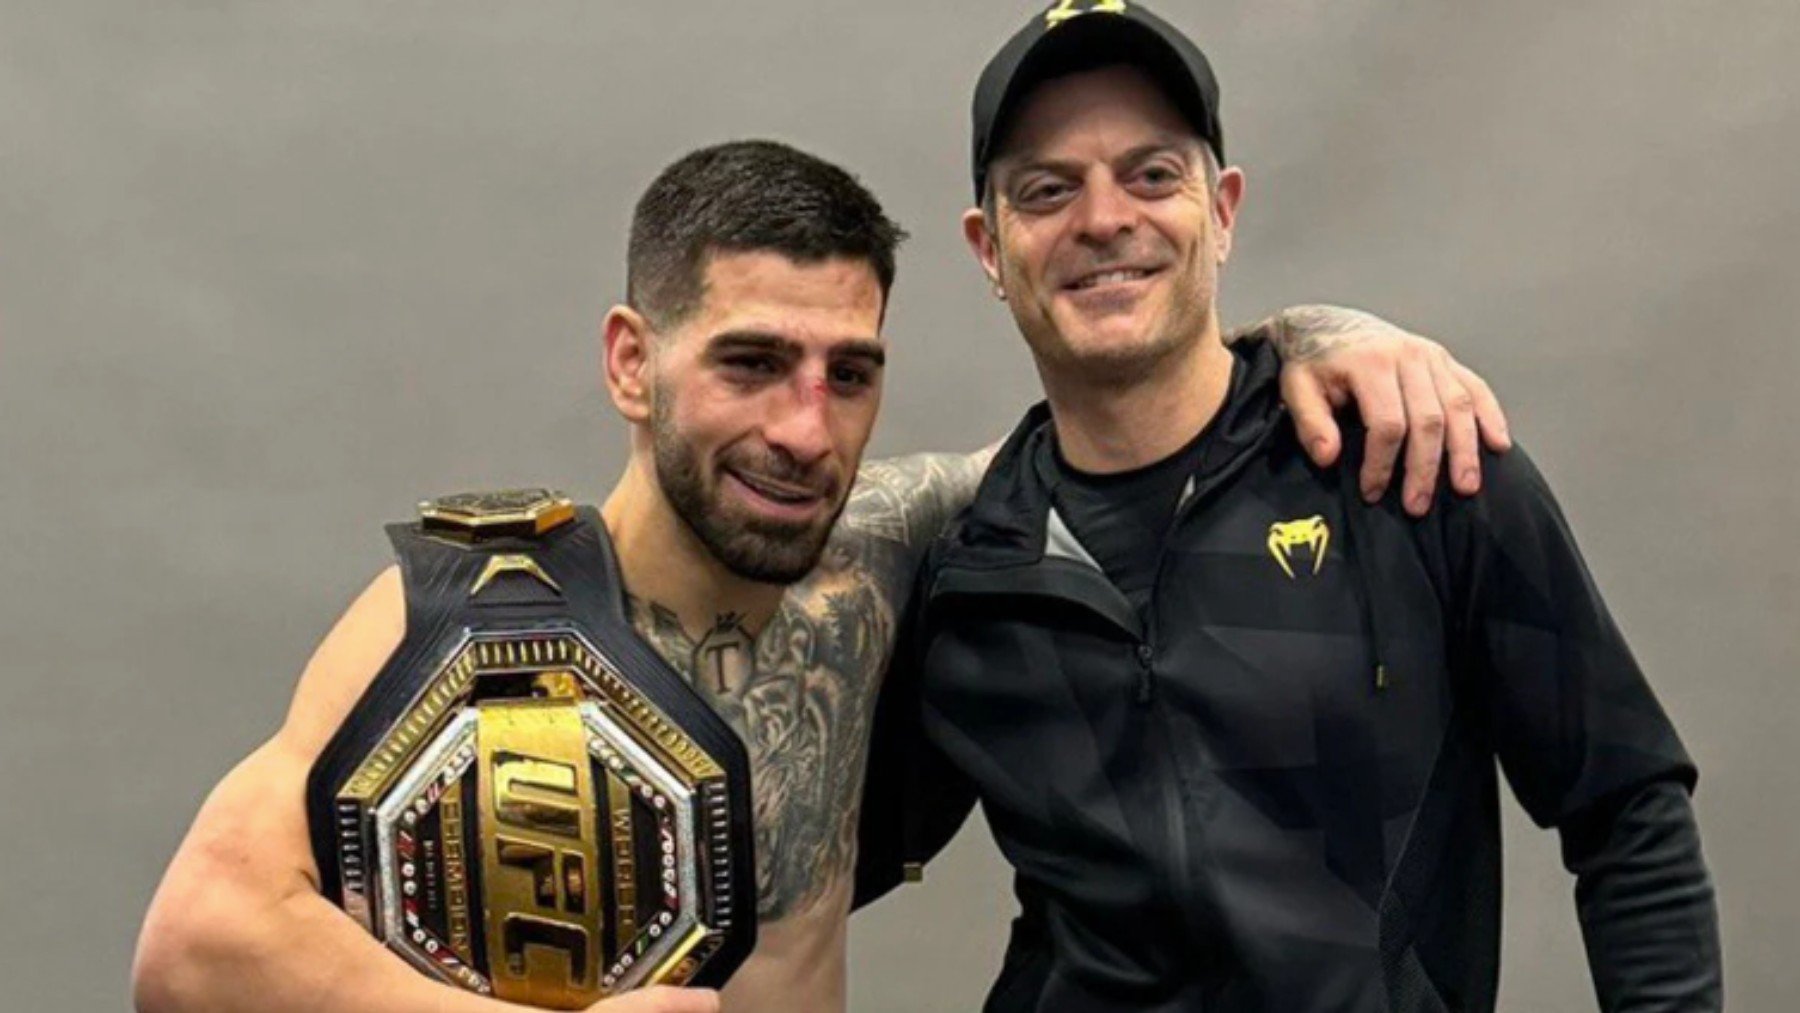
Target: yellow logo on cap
[[1075, 8]]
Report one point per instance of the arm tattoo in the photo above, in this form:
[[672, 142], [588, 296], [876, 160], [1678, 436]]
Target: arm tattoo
[[908, 500], [1302, 333]]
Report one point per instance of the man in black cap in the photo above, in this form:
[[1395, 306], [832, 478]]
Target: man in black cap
[[1234, 727]]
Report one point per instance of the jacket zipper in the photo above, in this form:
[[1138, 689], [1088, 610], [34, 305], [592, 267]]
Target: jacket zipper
[[1146, 649], [1176, 786], [1146, 682]]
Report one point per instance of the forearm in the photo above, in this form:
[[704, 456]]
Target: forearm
[[1301, 333], [238, 924], [229, 953], [1648, 914]]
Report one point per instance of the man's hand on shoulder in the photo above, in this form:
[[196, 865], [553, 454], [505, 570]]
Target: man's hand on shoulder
[[1409, 390]]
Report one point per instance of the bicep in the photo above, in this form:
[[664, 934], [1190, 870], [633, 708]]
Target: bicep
[[252, 829], [244, 856]]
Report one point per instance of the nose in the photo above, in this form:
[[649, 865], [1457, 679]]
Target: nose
[[1106, 210], [800, 423]]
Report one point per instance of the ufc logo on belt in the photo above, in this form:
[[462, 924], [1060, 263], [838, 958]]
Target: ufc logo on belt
[[539, 851]]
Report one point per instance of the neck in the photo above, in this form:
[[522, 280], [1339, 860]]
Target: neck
[[1110, 427], [663, 561]]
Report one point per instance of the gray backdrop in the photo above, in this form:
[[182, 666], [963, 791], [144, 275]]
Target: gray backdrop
[[269, 272]]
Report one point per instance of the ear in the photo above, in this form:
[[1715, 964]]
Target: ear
[[628, 354], [982, 243], [1226, 197]]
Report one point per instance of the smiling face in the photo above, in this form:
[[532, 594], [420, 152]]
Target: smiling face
[[1105, 237], [760, 404]]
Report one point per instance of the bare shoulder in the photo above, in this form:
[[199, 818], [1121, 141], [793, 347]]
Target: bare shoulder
[[345, 662], [905, 501]]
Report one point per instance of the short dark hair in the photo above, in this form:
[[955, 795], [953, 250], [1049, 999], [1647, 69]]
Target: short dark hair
[[745, 196]]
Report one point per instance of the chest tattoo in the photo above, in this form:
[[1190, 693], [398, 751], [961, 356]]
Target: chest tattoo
[[800, 692]]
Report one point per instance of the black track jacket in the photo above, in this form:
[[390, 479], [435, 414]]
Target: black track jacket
[[1278, 792]]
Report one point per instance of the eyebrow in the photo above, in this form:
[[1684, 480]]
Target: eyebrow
[[764, 341], [862, 348], [1171, 143]]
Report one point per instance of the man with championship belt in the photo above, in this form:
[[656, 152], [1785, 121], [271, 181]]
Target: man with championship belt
[[489, 740]]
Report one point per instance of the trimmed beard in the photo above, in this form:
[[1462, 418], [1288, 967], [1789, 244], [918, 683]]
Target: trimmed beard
[[754, 548]]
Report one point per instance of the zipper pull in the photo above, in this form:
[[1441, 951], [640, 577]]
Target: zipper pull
[[1146, 685]]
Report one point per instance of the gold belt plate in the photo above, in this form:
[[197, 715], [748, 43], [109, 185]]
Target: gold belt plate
[[539, 831]]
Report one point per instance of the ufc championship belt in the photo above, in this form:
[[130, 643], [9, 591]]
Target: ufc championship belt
[[528, 801]]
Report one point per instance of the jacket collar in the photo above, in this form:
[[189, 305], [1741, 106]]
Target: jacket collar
[[1010, 522]]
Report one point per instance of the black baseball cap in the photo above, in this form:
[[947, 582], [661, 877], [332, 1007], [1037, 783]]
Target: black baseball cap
[[1077, 35]]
